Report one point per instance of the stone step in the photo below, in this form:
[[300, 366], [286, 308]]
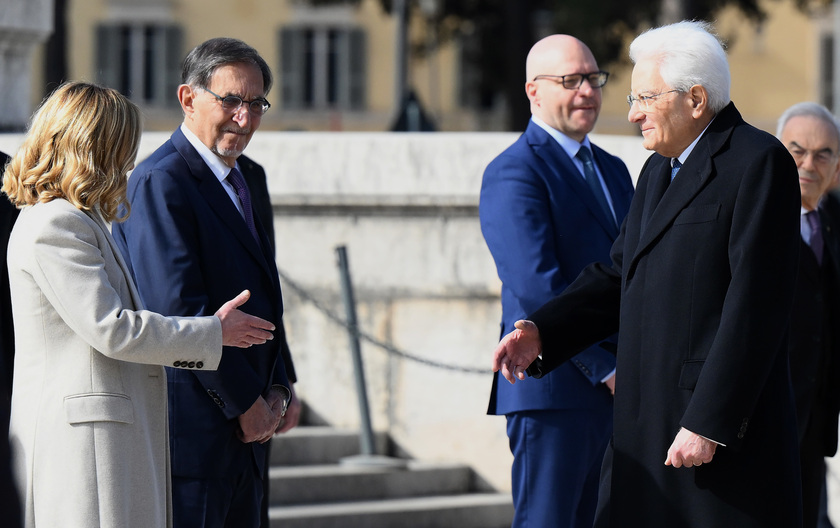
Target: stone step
[[300, 485], [308, 445], [474, 510]]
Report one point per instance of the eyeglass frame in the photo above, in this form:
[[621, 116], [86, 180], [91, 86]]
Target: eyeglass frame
[[646, 100], [583, 76], [265, 104]]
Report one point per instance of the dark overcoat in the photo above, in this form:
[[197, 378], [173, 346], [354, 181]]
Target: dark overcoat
[[700, 290]]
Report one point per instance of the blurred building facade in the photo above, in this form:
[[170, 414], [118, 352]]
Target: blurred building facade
[[335, 64], [24, 25]]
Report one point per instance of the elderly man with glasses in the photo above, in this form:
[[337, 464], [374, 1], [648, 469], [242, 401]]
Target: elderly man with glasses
[[700, 291], [551, 204], [812, 136], [201, 227]]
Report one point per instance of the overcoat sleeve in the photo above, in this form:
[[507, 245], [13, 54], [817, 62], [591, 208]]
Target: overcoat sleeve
[[517, 222], [763, 256], [67, 264]]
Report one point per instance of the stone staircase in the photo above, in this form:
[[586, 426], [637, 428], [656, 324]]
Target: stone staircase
[[316, 482]]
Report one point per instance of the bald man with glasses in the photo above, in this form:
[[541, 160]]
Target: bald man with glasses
[[551, 204]]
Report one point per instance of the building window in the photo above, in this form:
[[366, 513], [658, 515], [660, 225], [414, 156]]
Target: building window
[[323, 68], [142, 61]]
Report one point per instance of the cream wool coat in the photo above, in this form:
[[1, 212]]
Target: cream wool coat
[[89, 407]]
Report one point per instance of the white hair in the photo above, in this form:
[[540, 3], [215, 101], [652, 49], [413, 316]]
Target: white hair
[[688, 53], [808, 109]]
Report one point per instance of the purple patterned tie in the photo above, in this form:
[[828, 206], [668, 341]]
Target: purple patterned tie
[[238, 181], [816, 241]]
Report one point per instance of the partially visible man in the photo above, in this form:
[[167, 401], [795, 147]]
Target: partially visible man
[[551, 204], [700, 290], [812, 136], [9, 503], [8, 215], [193, 236]]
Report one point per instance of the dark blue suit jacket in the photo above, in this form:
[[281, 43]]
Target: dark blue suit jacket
[[543, 226], [190, 251]]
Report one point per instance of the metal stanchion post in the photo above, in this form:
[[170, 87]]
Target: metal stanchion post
[[368, 447]]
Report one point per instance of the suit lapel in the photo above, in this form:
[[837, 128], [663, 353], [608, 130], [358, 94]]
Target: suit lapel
[[619, 194], [213, 192], [658, 183], [548, 150]]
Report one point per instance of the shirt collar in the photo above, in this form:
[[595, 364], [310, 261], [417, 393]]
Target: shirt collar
[[569, 145], [682, 157], [804, 211], [214, 162]]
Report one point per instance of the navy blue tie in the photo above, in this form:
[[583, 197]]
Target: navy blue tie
[[675, 168], [594, 184], [238, 181]]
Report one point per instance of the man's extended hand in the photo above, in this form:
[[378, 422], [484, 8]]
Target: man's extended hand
[[258, 423], [517, 350], [240, 329], [690, 449]]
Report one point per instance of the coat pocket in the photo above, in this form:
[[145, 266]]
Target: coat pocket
[[98, 407], [690, 373], [698, 215]]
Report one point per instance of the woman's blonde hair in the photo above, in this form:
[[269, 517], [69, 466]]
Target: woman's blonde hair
[[81, 144]]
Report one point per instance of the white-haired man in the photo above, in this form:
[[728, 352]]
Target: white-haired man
[[700, 290]]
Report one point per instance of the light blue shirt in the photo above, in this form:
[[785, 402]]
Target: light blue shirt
[[684, 156]]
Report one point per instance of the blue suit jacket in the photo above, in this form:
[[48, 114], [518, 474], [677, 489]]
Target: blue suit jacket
[[190, 251], [543, 226]]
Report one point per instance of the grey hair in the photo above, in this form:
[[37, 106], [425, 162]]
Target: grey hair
[[201, 63], [808, 109], [688, 53]]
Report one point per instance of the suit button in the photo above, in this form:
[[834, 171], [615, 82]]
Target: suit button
[[740, 436], [199, 364], [191, 364], [176, 364]]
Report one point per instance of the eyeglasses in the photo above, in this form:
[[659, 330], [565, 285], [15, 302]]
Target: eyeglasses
[[645, 101], [573, 81], [232, 103]]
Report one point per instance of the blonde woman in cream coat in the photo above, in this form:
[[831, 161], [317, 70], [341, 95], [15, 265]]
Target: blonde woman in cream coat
[[89, 409]]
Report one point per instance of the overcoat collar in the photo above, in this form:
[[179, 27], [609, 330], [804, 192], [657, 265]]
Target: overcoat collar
[[96, 216], [692, 178], [547, 149], [212, 191]]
